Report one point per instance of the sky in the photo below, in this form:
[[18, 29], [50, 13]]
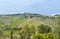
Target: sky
[[29, 6]]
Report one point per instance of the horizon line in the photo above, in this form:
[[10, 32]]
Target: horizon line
[[51, 14]]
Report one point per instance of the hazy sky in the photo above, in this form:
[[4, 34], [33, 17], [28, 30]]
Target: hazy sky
[[34, 6]]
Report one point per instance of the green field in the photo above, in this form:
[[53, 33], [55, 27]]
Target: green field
[[29, 26]]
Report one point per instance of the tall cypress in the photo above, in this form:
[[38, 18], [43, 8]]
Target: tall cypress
[[11, 34]]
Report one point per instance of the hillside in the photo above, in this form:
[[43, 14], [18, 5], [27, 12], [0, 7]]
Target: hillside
[[17, 21], [23, 19]]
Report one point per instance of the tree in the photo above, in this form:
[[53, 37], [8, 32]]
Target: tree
[[1, 33], [11, 34], [27, 29], [22, 34], [44, 29], [30, 30]]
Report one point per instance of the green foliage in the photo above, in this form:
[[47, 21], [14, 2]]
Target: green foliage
[[11, 34], [44, 28], [22, 34], [57, 28], [51, 36], [28, 26], [40, 36]]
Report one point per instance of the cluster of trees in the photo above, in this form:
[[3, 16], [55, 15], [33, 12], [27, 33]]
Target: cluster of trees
[[32, 32]]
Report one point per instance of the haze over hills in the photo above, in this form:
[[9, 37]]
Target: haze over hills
[[31, 13]]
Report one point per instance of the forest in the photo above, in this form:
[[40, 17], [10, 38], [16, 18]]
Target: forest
[[29, 26]]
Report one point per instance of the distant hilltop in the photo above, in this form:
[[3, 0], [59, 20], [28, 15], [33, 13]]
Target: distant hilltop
[[30, 15]]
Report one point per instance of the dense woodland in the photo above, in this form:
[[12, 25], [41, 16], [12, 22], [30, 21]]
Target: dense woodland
[[29, 26]]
